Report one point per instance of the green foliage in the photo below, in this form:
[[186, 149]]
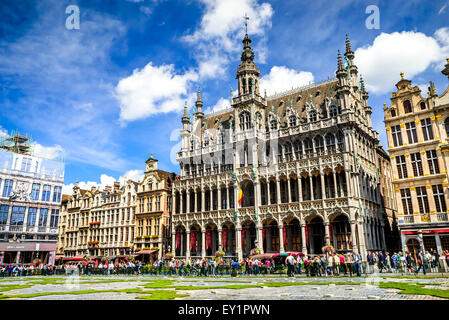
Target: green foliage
[[415, 289]]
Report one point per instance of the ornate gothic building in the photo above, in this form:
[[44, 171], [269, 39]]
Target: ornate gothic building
[[290, 172]]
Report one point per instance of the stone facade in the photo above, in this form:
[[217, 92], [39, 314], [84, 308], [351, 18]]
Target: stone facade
[[30, 202], [418, 130], [153, 212], [100, 223], [305, 161]]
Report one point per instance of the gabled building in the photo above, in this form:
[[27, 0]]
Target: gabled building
[[153, 234], [418, 135], [294, 171]]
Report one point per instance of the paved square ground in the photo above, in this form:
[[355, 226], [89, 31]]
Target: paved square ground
[[375, 287]]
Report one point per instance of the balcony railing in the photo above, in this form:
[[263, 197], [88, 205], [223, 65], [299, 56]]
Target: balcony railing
[[16, 228], [426, 218]]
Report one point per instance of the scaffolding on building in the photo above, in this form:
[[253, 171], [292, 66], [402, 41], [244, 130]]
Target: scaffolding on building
[[17, 143]]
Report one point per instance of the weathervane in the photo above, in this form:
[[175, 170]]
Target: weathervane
[[246, 22]]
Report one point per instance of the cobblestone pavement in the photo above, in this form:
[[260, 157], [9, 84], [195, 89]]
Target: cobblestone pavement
[[368, 289]]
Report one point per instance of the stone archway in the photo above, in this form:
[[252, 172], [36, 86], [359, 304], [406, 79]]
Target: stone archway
[[292, 239], [211, 240], [315, 232], [340, 233], [249, 235], [270, 236], [180, 241], [195, 240], [228, 239]]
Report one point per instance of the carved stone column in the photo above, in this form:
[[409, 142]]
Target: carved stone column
[[281, 238], [173, 242], [188, 244], [289, 199], [303, 237], [203, 242], [238, 231], [220, 246], [326, 233]]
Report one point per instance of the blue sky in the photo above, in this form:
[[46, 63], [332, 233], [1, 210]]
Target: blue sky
[[109, 94]]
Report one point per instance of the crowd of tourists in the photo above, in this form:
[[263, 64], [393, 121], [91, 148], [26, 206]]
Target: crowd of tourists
[[331, 264]]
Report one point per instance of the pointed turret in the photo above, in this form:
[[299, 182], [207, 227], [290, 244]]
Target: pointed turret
[[199, 105], [185, 118], [364, 93], [349, 53], [247, 72]]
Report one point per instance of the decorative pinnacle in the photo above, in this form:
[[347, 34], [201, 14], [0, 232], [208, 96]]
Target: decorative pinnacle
[[246, 22], [340, 62], [348, 45], [402, 75], [185, 109], [152, 156]]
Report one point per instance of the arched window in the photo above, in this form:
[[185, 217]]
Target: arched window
[[312, 116], [407, 106], [308, 147], [319, 145], [393, 112], [333, 111], [244, 85], [250, 85], [288, 147], [245, 121], [292, 121], [192, 145], [330, 143], [297, 146], [446, 126], [273, 124], [258, 118], [422, 105], [206, 141], [340, 141]]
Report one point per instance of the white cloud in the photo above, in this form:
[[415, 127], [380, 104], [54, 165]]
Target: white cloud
[[221, 31], [146, 10], [153, 90], [105, 180], [443, 8], [52, 153], [407, 51], [282, 78], [220, 105]]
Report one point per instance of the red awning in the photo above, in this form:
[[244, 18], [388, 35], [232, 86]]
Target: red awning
[[263, 256], [75, 258], [147, 251]]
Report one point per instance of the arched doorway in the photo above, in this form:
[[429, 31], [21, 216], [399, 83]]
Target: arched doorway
[[195, 240], [270, 235], [293, 235], [315, 229], [180, 241], [211, 239], [228, 239], [248, 237], [413, 247], [340, 234]]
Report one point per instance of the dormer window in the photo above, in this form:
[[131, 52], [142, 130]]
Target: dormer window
[[393, 112], [292, 121], [333, 111], [273, 124], [407, 106]]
